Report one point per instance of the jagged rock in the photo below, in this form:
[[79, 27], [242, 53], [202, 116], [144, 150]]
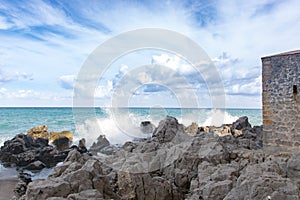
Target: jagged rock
[[146, 147], [21, 187], [81, 143], [129, 146], [36, 165], [250, 138], [42, 189], [143, 186], [23, 150], [259, 181], [221, 131], [167, 130], [99, 145], [204, 129], [173, 165], [192, 129], [39, 132], [241, 123], [81, 146], [63, 134], [91, 194], [61, 143], [41, 142]]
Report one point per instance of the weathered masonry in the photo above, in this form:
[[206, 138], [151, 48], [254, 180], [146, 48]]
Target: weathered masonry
[[281, 107]]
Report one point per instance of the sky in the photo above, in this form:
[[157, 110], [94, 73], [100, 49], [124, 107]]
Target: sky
[[44, 44]]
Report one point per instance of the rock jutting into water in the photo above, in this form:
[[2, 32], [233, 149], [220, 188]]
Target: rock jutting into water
[[224, 162], [33, 151]]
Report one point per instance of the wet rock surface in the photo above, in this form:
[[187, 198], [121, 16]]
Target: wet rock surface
[[34, 154], [23, 150], [176, 165]]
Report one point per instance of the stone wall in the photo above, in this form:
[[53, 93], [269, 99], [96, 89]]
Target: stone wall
[[281, 107]]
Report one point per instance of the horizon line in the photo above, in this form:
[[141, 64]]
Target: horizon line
[[248, 108]]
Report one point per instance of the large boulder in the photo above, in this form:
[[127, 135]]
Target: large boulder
[[62, 143], [174, 165], [23, 151], [39, 132], [63, 134], [42, 189], [263, 181], [241, 123], [101, 143], [36, 165], [192, 129], [91, 194], [167, 130]]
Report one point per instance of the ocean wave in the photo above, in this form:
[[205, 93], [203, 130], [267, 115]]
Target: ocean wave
[[121, 125]]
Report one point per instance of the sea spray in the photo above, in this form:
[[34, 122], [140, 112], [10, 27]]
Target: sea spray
[[121, 125], [217, 117], [19, 120]]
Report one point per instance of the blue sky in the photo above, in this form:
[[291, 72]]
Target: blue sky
[[43, 45]]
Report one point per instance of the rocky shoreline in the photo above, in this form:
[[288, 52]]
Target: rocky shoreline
[[177, 162]]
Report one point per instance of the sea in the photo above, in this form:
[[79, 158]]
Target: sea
[[118, 125]]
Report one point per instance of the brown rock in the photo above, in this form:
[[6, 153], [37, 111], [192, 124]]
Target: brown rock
[[192, 129], [55, 135], [39, 132]]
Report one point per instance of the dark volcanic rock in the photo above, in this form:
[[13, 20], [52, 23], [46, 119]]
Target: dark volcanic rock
[[21, 187], [23, 150], [62, 143], [241, 123], [36, 165]]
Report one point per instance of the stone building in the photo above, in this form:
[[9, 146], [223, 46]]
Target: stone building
[[281, 107]]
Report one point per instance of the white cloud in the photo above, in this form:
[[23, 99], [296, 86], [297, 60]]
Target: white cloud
[[67, 81], [6, 76], [4, 24], [104, 90], [174, 62], [3, 91], [46, 40]]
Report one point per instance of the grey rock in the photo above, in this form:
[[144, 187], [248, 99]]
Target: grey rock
[[62, 143], [36, 165], [167, 130], [192, 129], [101, 143], [91, 194], [241, 123], [293, 167], [174, 165], [129, 146], [262, 180], [42, 189]]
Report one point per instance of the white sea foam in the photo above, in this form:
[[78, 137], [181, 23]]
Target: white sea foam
[[218, 117], [3, 139], [120, 126]]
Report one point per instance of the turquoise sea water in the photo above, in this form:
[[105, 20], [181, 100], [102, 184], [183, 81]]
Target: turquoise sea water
[[117, 126]]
